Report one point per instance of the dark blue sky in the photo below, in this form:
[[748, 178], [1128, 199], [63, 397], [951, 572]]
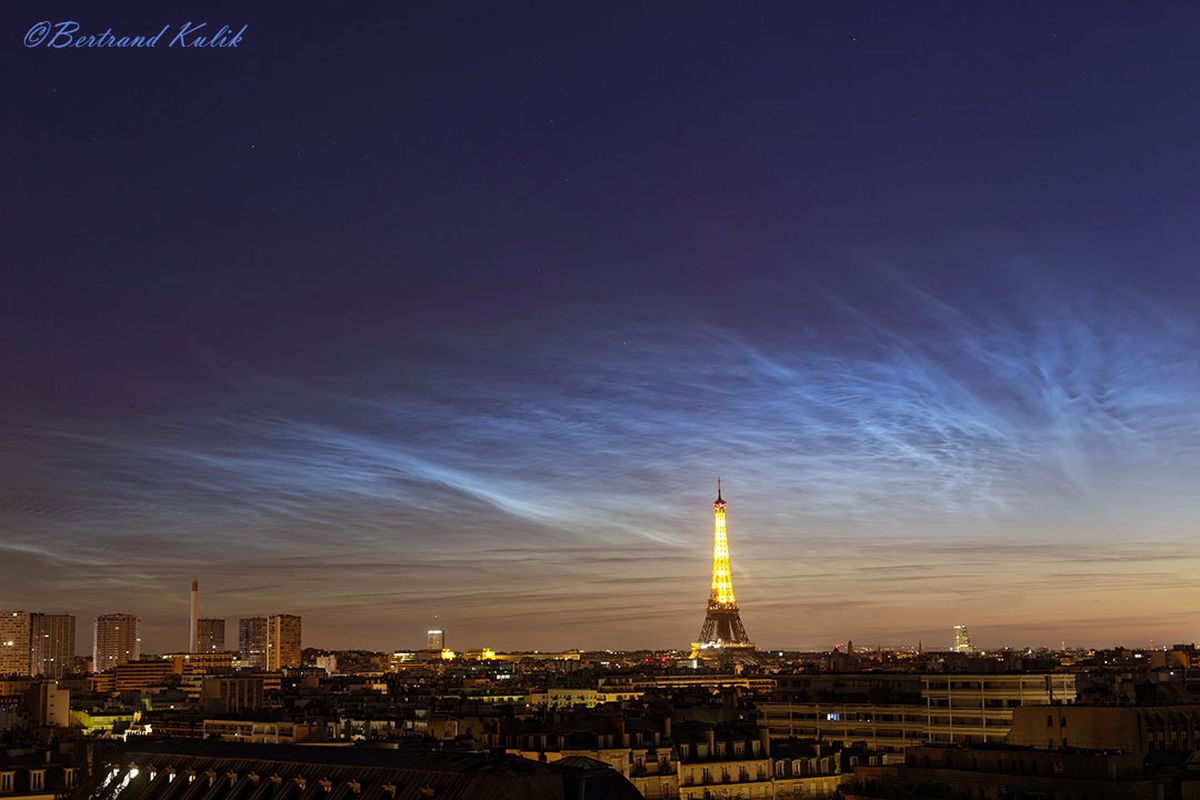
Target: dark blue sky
[[406, 309]]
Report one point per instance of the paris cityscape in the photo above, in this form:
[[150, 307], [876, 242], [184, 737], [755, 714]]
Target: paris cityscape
[[578, 402], [718, 718]]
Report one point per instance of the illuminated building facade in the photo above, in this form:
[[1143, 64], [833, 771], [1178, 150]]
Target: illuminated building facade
[[979, 708], [252, 641], [283, 641], [1137, 729], [52, 644], [436, 640], [951, 709], [717, 767], [14, 642], [962, 640], [115, 641], [199, 663], [235, 693], [210, 636], [133, 676], [722, 629]]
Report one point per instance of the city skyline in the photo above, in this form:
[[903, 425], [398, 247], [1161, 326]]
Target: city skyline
[[917, 283], [959, 640], [255, 651]]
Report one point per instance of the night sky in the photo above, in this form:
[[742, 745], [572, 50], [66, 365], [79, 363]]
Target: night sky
[[413, 309]]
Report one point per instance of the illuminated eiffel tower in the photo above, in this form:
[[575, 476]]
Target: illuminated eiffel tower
[[722, 631]]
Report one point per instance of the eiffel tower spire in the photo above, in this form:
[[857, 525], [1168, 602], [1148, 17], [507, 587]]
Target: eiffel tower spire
[[722, 573], [722, 622]]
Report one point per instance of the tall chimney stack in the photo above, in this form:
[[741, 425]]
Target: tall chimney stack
[[193, 629]]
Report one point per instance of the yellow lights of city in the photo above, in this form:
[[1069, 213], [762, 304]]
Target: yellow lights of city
[[488, 654], [447, 654], [722, 577]]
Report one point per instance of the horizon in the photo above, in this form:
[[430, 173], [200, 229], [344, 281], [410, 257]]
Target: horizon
[[930, 645]]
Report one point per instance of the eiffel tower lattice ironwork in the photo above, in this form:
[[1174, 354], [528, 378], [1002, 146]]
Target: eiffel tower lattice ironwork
[[722, 629]]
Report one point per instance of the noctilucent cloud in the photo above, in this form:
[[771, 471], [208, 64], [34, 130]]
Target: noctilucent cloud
[[459, 317]]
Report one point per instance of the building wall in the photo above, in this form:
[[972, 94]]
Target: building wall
[[52, 644], [979, 708], [997, 773], [283, 642], [210, 635], [724, 768], [100, 722], [43, 781], [657, 787], [14, 643], [822, 786], [50, 705], [188, 663], [1130, 729], [652, 770], [252, 641], [955, 708], [115, 641], [103, 682], [736, 769], [134, 675], [749, 778], [256, 732], [589, 698], [890, 728], [234, 693]]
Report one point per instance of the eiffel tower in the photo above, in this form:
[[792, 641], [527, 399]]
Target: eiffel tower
[[722, 630]]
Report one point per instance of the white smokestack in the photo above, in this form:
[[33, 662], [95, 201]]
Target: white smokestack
[[193, 629]]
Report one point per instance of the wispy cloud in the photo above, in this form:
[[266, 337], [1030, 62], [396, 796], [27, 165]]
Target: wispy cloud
[[561, 485]]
